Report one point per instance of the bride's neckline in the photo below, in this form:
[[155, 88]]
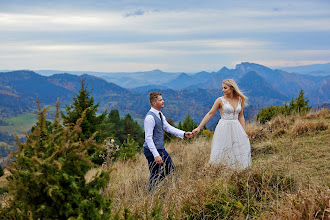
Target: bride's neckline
[[231, 104]]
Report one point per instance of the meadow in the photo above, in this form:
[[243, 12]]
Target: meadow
[[289, 178], [19, 124]]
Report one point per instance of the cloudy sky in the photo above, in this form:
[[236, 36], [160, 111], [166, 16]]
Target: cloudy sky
[[171, 35]]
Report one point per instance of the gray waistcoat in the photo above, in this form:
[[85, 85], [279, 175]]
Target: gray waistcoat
[[158, 134]]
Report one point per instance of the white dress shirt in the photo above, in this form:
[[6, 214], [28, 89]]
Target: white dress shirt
[[149, 125]]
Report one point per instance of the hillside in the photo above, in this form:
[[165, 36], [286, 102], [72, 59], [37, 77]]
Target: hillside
[[289, 178], [276, 81], [262, 85]]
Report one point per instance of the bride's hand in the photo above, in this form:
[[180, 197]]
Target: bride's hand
[[196, 131]]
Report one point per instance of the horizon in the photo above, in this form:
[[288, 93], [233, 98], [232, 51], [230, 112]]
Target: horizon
[[144, 71], [143, 35]]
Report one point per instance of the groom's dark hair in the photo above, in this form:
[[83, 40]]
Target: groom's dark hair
[[153, 96]]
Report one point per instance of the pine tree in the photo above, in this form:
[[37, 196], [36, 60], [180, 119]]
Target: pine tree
[[128, 149], [188, 124], [47, 178], [113, 125], [91, 123], [302, 103], [132, 128]]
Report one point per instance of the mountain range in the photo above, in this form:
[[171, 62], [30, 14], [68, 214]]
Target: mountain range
[[192, 94]]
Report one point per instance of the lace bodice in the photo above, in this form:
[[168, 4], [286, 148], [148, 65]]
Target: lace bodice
[[228, 111]]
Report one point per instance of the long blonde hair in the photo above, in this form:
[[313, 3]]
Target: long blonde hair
[[231, 83]]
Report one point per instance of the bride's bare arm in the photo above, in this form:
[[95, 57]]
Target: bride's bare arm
[[208, 116], [241, 118]]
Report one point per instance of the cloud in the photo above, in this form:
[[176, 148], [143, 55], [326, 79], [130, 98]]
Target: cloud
[[138, 12], [181, 34], [286, 63]]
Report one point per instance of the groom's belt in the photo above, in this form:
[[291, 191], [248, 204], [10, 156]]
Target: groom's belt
[[148, 153]]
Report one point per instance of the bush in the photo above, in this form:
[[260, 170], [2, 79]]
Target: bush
[[47, 175], [128, 149], [299, 105], [3, 190], [207, 133]]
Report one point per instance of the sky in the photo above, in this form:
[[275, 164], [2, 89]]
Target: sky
[[170, 35]]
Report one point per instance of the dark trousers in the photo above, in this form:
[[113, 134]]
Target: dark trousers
[[158, 171]]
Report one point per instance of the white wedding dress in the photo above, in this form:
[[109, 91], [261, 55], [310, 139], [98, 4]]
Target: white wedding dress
[[230, 144]]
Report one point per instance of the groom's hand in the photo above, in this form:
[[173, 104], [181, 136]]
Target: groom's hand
[[188, 134], [159, 160]]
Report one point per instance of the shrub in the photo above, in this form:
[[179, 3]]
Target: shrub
[[207, 133], [268, 113], [3, 190], [47, 175], [299, 105], [128, 149]]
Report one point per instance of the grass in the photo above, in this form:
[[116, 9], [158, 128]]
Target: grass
[[23, 123], [289, 178], [19, 124]]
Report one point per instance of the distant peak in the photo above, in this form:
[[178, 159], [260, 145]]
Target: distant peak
[[184, 74], [224, 68], [245, 66], [157, 70]]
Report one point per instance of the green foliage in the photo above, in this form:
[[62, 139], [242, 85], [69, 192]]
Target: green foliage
[[299, 105], [128, 149], [3, 190], [266, 114], [188, 124], [132, 128], [47, 175], [121, 128], [91, 122], [84, 102]]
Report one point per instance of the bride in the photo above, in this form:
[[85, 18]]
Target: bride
[[230, 144]]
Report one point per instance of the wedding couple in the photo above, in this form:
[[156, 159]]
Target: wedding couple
[[230, 144]]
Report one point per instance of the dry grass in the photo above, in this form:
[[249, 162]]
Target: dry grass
[[306, 126], [289, 178]]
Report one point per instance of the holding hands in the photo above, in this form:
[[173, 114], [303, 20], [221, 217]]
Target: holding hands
[[191, 134], [196, 131], [188, 134]]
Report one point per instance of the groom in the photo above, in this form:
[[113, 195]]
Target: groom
[[159, 161]]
